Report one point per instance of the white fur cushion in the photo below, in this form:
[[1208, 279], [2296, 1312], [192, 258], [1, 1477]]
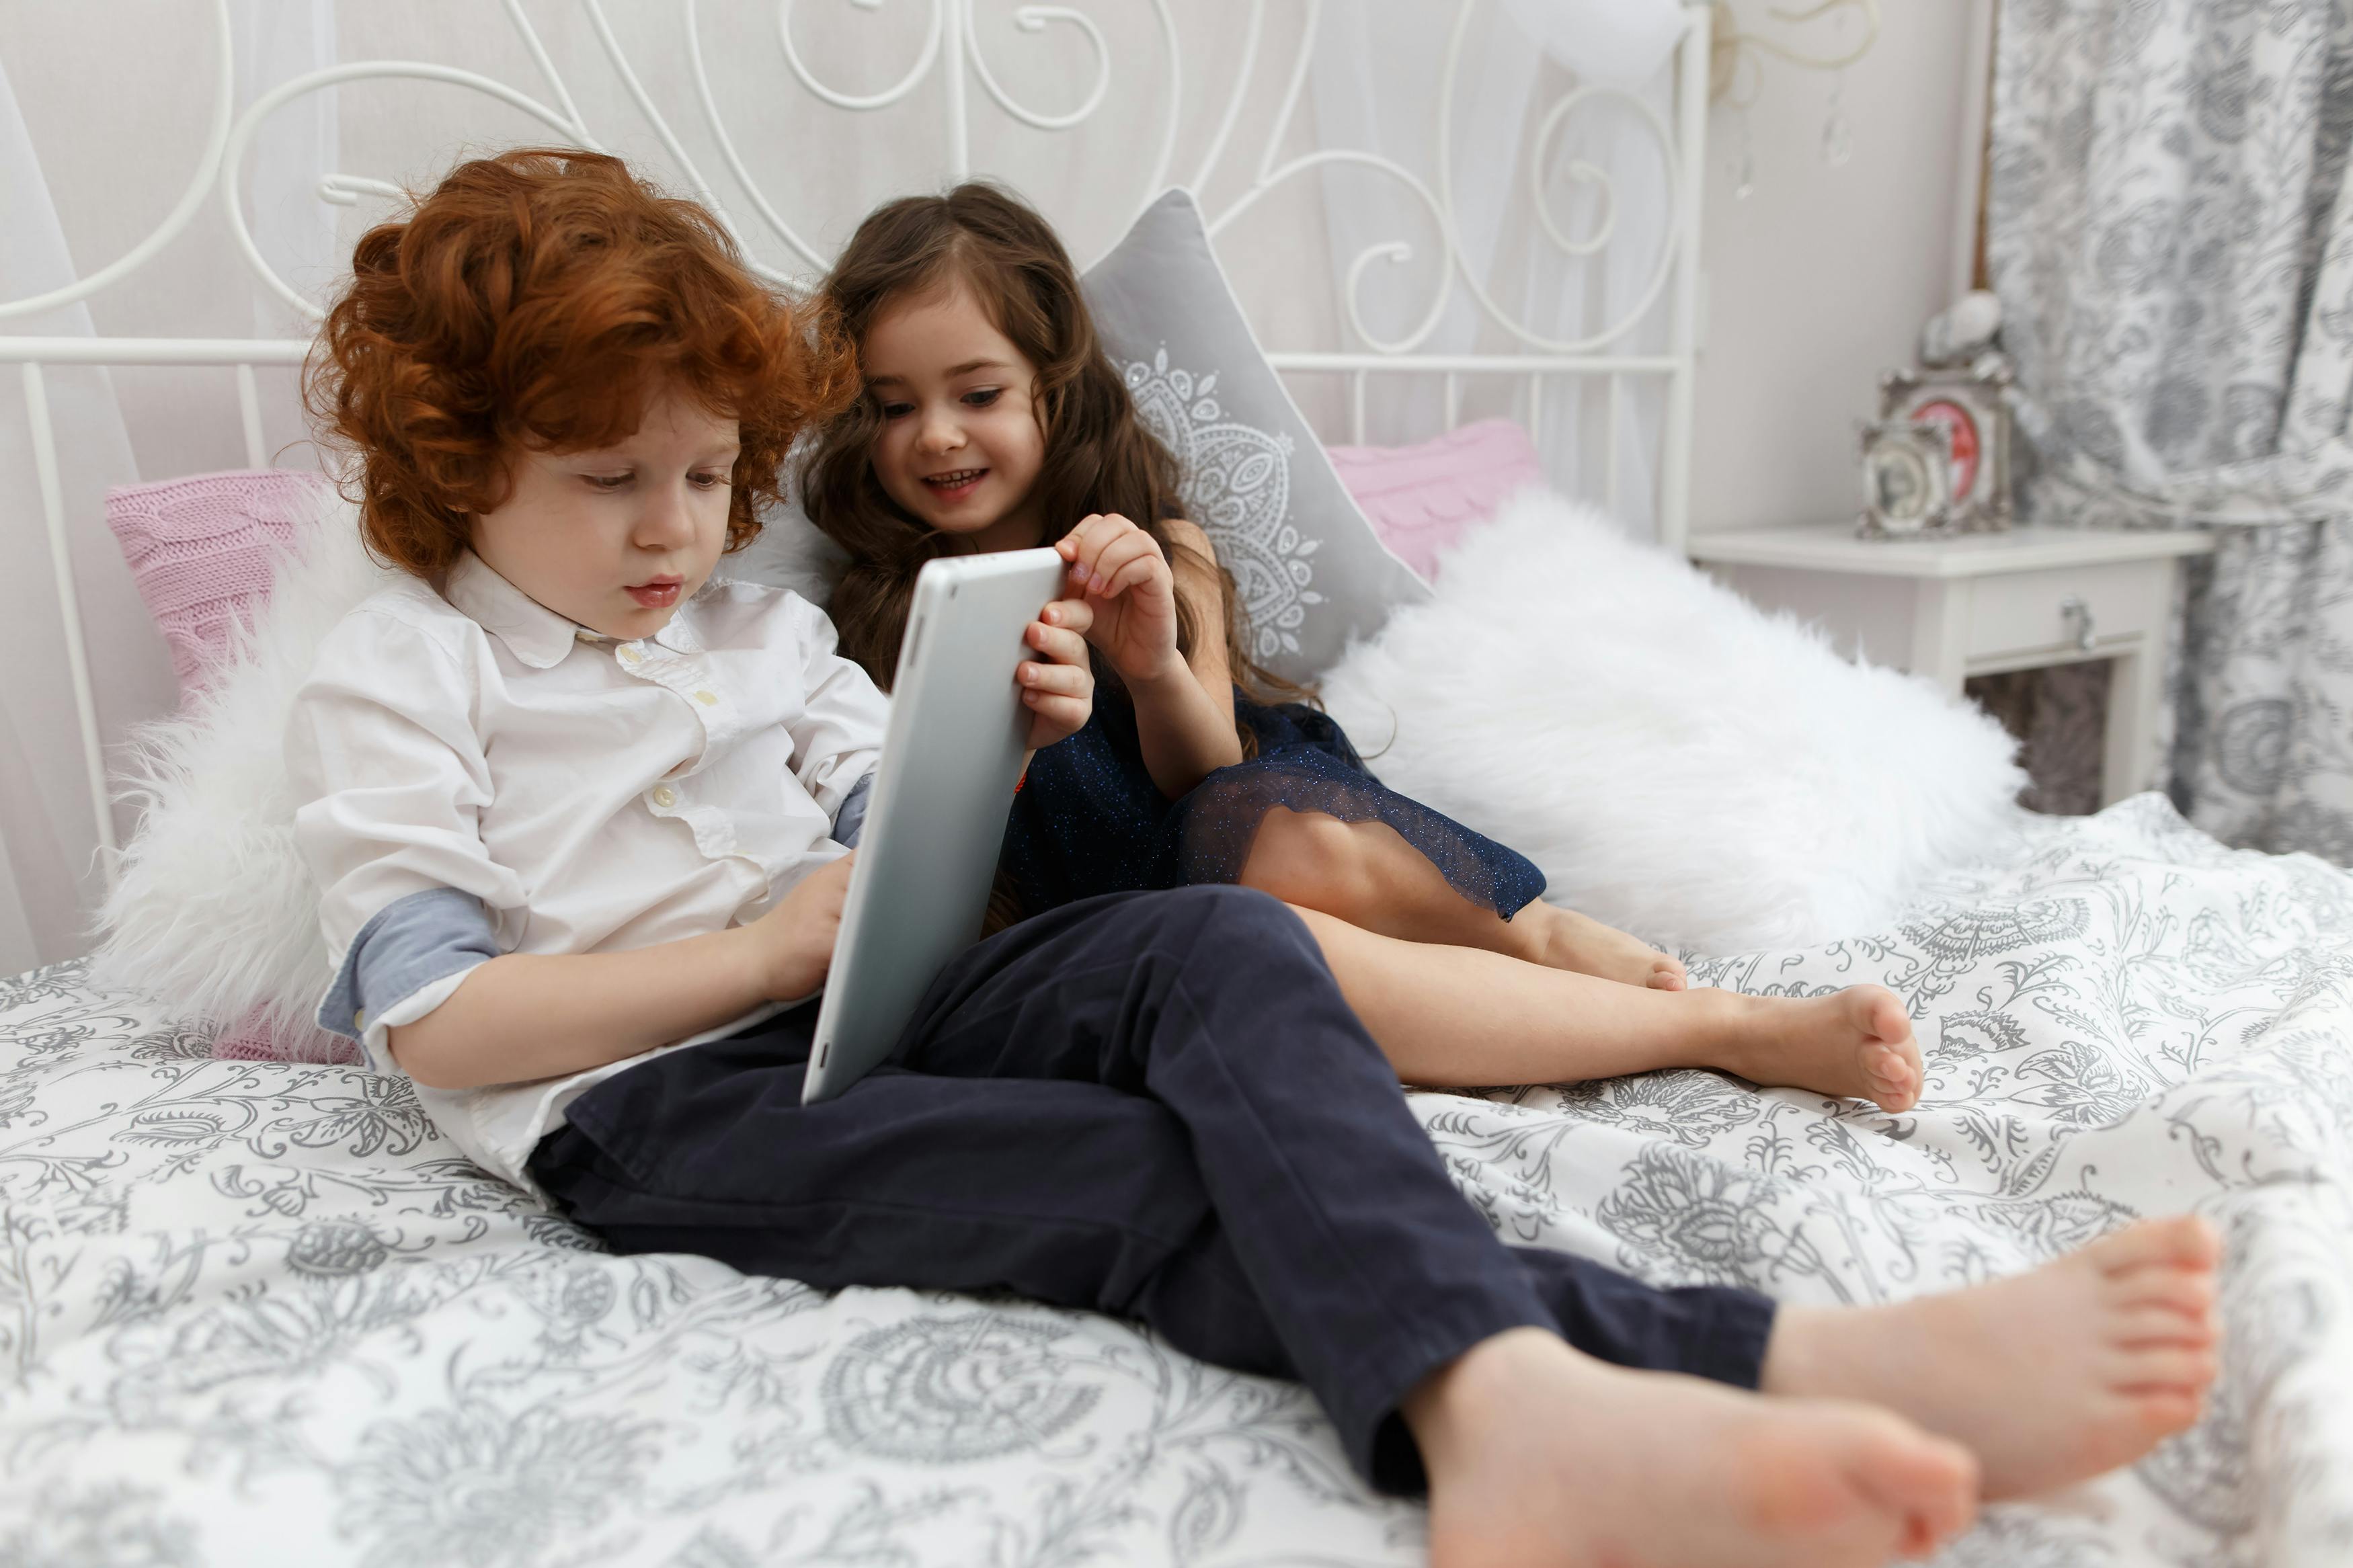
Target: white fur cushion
[[212, 911], [1679, 763]]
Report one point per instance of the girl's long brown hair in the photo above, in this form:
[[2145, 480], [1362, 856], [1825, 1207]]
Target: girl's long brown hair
[[1098, 457]]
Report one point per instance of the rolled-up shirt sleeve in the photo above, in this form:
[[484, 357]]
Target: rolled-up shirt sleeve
[[389, 777], [405, 962], [850, 822], [837, 737]]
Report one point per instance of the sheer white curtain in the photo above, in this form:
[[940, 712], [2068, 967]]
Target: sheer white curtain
[[1378, 85], [115, 94], [43, 798], [84, 188]]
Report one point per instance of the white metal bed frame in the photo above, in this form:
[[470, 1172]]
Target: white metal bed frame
[[952, 50]]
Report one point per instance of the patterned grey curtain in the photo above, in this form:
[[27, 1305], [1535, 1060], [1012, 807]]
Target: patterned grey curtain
[[2169, 230]]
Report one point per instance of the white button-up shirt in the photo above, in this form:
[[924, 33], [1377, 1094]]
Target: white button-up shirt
[[595, 795]]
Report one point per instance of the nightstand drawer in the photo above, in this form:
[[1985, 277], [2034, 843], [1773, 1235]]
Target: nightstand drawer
[[1982, 603], [2024, 612]]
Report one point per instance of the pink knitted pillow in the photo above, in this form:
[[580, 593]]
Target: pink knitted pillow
[[202, 550], [1422, 499]]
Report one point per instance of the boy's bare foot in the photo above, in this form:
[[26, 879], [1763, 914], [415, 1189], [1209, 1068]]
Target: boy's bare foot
[[1566, 940], [1538, 1455], [1856, 1043], [2047, 1377]]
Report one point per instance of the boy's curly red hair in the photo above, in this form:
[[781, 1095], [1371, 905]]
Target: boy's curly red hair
[[532, 299]]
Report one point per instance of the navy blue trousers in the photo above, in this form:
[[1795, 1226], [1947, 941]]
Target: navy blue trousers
[[1153, 1105]]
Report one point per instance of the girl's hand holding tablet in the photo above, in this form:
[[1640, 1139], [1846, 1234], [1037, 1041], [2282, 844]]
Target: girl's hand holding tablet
[[1128, 585], [1058, 688]]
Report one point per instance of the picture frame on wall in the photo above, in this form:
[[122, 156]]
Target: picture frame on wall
[[1972, 402]]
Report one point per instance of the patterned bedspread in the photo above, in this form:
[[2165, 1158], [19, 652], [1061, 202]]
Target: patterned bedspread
[[253, 1313]]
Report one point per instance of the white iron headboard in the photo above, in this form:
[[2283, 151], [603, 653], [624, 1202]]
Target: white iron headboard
[[950, 62]]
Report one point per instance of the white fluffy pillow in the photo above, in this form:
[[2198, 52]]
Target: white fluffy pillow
[[1679, 763], [212, 910]]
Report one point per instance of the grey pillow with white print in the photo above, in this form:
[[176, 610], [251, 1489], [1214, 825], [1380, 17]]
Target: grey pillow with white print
[[1307, 567]]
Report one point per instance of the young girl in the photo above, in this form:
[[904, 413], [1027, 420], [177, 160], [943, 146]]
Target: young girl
[[992, 420], [575, 811]]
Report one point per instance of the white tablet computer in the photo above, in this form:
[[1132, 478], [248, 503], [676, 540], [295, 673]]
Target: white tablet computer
[[951, 757]]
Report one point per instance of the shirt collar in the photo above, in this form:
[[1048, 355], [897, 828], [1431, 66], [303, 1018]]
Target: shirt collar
[[533, 633], [676, 635]]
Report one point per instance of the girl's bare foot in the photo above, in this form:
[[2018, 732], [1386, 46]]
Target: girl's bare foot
[[1856, 1043], [1564, 939], [1538, 1455], [2047, 1377]]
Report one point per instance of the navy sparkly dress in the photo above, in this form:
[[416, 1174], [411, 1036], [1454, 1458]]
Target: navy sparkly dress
[[1090, 820]]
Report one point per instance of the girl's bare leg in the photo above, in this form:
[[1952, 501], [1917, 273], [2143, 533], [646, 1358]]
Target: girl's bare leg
[[1368, 875], [1462, 1017]]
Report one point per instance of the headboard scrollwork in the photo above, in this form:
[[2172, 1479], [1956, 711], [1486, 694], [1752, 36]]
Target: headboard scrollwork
[[951, 60]]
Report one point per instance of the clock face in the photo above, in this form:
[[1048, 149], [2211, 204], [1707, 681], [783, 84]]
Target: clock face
[[1966, 443], [1899, 487]]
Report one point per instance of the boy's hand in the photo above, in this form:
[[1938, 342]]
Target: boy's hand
[[1128, 585], [797, 935], [1060, 688]]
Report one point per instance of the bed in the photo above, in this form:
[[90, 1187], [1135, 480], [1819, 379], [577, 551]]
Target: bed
[[254, 1312]]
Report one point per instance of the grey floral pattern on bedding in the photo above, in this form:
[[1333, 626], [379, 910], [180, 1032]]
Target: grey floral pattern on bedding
[[255, 1313]]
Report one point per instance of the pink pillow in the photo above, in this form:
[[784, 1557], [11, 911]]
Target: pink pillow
[[1422, 499], [202, 549]]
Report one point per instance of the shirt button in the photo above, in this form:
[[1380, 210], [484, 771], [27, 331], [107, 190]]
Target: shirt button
[[359, 1019], [630, 655], [708, 699], [665, 797]]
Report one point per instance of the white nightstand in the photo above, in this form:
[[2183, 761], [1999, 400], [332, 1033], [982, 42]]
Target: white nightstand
[[1982, 603]]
